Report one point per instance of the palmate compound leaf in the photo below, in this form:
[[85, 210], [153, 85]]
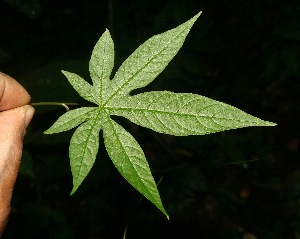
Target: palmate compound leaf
[[165, 112]]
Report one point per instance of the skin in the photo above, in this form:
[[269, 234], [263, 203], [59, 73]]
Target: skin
[[15, 116]]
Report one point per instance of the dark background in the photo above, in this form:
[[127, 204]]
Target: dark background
[[242, 183]]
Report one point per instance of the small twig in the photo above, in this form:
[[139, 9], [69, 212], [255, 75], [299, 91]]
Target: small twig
[[65, 105], [125, 232]]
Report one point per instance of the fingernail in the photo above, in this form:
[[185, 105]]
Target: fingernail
[[28, 115]]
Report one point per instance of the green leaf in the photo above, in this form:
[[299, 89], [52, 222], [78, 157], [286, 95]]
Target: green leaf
[[182, 114], [101, 65], [84, 89], [149, 60], [83, 150], [162, 111], [70, 120], [129, 159]]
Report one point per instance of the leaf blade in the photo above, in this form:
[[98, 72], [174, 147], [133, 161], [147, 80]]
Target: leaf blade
[[70, 120], [149, 60], [101, 64], [182, 114], [128, 157], [83, 150], [84, 89]]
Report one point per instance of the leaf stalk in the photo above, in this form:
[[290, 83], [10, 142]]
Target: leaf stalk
[[65, 105]]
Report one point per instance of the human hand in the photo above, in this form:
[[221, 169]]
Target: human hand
[[15, 115]]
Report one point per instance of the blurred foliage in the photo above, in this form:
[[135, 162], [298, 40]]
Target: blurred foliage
[[226, 185]]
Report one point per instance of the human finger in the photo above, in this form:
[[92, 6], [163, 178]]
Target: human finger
[[12, 94], [13, 125]]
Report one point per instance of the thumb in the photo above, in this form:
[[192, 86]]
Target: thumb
[[13, 125]]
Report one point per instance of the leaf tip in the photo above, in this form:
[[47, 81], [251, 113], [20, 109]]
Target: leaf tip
[[271, 124], [164, 212], [73, 190], [196, 16], [106, 33], [65, 73], [49, 131], [268, 123]]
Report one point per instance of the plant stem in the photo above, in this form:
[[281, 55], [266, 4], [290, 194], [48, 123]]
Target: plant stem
[[65, 105]]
